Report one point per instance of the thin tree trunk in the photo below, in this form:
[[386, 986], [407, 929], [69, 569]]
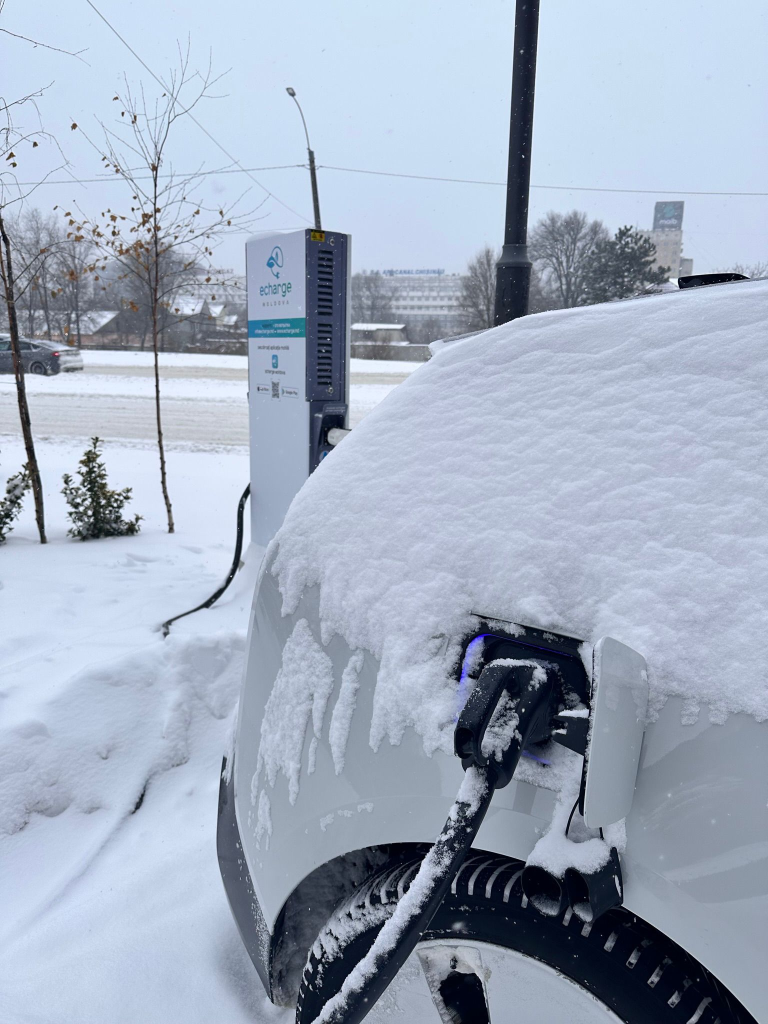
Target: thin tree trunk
[[77, 318], [31, 309], [46, 306], [21, 391], [160, 445], [76, 304]]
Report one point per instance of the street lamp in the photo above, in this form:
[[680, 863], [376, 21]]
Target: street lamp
[[312, 172], [513, 271]]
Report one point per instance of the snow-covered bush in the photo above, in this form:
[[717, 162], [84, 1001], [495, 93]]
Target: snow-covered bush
[[10, 505], [94, 509]]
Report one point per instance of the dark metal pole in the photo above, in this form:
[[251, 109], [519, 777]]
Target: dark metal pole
[[312, 169], [513, 271], [315, 198]]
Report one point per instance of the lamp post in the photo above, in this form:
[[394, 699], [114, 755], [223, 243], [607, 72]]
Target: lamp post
[[513, 271], [312, 172]]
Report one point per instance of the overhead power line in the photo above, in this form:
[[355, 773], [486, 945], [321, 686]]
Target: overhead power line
[[417, 177], [202, 128], [108, 178], [558, 188]]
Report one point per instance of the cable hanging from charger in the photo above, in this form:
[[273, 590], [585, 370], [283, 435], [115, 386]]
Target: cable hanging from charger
[[166, 626]]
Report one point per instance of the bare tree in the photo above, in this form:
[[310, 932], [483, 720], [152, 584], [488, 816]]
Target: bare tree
[[168, 231], [37, 42], [36, 238], [9, 292], [540, 295], [122, 284], [478, 289], [16, 140], [561, 247], [54, 289], [76, 269], [373, 295]]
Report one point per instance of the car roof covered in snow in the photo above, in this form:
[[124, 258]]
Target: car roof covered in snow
[[595, 471]]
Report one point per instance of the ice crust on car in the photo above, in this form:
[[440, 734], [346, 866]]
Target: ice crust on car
[[596, 471], [344, 709], [300, 695]]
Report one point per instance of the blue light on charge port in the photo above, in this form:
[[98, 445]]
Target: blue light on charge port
[[469, 656]]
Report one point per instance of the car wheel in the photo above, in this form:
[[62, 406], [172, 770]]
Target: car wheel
[[490, 958], [38, 368]]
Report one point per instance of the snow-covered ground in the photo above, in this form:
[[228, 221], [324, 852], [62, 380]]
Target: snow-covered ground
[[111, 738], [109, 912]]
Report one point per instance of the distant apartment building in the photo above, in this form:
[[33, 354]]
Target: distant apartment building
[[427, 301], [667, 236]]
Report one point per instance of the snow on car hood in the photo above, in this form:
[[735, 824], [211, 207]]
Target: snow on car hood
[[596, 471]]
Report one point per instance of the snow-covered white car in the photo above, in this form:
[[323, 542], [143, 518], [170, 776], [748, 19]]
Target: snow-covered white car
[[571, 476]]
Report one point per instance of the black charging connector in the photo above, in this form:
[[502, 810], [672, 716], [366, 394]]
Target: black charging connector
[[512, 700]]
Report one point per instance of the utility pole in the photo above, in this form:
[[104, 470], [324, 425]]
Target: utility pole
[[513, 271], [312, 171]]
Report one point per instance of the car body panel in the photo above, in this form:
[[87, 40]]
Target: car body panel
[[6, 357], [35, 351], [696, 864], [69, 358]]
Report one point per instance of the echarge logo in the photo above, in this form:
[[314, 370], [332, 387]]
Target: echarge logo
[[282, 288], [274, 292], [275, 261]]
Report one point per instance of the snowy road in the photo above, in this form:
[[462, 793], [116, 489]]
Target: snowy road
[[131, 418], [203, 405], [232, 373]]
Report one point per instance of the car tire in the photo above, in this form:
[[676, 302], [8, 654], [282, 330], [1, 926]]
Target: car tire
[[631, 969], [38, 368]]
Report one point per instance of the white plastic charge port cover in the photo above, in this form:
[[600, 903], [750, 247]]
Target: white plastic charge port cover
[[617, 724]]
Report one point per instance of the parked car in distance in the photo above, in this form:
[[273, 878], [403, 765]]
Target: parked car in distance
[[41, 357]]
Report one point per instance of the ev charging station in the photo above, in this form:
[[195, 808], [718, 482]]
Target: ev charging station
[[298, 363]]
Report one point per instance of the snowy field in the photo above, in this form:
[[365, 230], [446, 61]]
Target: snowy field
[[112, 905], [111, 738]]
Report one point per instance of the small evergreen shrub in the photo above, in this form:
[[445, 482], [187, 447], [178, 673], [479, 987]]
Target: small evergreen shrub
[[94, 509], [10, 506]]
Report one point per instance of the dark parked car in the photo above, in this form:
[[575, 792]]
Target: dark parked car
[[42, 357]]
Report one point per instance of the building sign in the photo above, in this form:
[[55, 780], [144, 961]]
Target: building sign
[[668, 216], [412, 273]]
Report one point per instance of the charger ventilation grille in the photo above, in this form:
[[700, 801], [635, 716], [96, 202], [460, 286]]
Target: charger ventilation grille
[[325, 285]]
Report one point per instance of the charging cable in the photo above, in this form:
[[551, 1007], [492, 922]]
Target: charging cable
[[509, 707], [166, 626]]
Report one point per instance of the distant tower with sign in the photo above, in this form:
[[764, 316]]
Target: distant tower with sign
[[667, 236]]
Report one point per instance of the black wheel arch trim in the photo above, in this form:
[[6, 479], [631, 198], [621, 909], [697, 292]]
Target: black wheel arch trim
[[238, 884]]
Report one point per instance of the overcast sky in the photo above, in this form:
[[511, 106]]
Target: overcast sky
[[654, 95]]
